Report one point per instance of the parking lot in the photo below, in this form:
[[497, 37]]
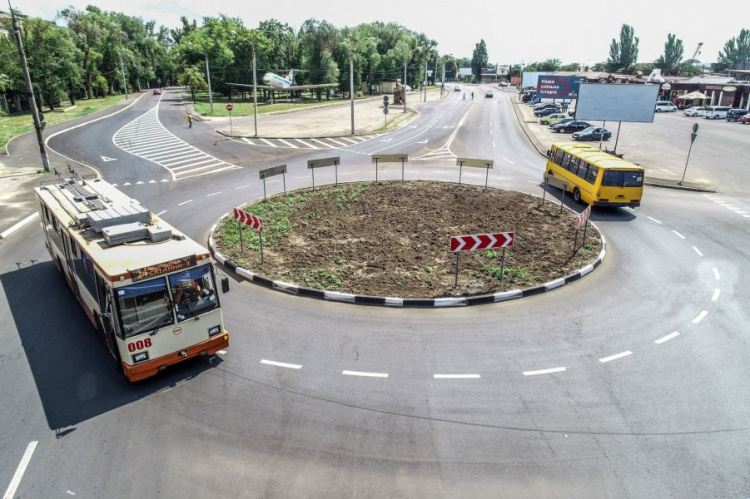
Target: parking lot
[[719, 158]]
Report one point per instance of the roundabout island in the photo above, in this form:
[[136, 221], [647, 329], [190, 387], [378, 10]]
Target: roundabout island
[[392, 239]]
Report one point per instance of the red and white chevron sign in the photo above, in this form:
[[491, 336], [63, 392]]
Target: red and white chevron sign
[[583, 216], [250, 220], [482, 241]]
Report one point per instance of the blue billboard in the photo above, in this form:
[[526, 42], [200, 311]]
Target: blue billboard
[[558, 87]]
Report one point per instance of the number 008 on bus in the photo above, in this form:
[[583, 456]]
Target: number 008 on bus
[[149, 290]]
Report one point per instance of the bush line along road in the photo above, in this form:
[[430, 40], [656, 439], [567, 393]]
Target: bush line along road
[[625, 383]]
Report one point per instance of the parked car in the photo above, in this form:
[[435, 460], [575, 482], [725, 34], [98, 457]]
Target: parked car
[[528, 96], [456, 88], [695, 111], [546, 111], [503, 84], [551, 118], [736, 114], [554, 107], [665, 106], [157, 91], [563, 120], [716, 112], [489, 94], [593, 133], [745, 120], [570, 126]]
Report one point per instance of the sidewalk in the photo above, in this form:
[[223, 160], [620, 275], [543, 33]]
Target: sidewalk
[[541, 138], [330, 121]]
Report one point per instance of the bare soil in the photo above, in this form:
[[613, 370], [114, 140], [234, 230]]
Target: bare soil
[[393, 239]]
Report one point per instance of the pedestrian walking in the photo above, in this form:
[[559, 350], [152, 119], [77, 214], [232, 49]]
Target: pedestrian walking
[[472, 96], [464, 98], [190, 120]]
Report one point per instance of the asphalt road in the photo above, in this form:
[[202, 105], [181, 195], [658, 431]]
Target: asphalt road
[[627, 383]]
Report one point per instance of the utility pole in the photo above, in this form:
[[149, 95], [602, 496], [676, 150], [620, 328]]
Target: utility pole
[[255, 94], [351, 86], [425, 81], [404, 85], [124, 83], [30, 91], [442, 81], [210, 95]]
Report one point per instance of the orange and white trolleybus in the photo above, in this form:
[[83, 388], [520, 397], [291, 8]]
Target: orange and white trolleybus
[[149, 290]]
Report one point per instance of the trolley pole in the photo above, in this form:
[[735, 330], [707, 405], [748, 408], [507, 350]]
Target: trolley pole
[[30, 91]]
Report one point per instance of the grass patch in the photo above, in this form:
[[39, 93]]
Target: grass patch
[[509, 273], [11, 126], [243, 108], [319, 279]]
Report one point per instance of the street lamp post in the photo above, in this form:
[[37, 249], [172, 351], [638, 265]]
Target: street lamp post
[[255, 95], [210, 95], [351, 86]]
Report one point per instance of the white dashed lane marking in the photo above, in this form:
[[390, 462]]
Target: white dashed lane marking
[[698, 251], [280, 364], [654, 220], [678, 234], [545, 371], [456, 376], [715, 297], [10, 492], [147, 138], [667, 338], [716, 274], [616, 356], [700, 317], [365, 374]]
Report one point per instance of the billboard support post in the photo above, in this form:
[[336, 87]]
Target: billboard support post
[[619, 124]]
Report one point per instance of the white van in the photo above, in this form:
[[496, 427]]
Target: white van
[[716, 112], [664, 106]]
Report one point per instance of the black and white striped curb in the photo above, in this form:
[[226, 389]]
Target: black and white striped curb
[[401, 302]]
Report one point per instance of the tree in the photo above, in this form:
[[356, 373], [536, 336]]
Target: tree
[[673, 52], [623, 54], [736, 52], [573, 66], [479, 60], [192, 77]]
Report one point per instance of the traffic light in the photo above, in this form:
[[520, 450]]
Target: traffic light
[[385, 104]]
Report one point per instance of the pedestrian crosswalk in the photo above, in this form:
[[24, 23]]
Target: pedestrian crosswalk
[[442, 153], [147, 138], [309, 143]]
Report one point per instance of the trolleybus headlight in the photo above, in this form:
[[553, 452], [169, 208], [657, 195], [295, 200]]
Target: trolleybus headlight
[[213, 331], [140, 357]]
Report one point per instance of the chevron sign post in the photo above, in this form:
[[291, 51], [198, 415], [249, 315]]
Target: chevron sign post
[[581, 219], [252, 221], [479, 242]]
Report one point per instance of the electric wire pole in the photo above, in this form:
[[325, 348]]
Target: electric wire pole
[[30, 91]]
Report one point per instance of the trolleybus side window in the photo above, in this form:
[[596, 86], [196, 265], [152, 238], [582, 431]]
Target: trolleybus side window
[[144, 306], [194, 292]]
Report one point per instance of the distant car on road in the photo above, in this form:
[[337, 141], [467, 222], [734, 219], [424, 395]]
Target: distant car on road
[[489, 94], [570, 126], [665, 106], [551, 118], [456, 88], [593, 133], [695, 111], [503, 84], [745, 120], [157, 91]]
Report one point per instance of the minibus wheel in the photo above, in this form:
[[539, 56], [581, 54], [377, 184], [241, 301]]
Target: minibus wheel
[[576, 195]]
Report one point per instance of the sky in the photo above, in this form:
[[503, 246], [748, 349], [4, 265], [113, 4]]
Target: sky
[[575, 31]]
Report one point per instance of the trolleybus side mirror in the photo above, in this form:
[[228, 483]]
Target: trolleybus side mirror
[[225, 285]]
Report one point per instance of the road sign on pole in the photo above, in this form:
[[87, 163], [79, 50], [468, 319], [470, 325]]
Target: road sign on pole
[[229, 108], [693, 135], [482, 241], [252, 221], [270, 172], [583, 217], [312, 164], [480, 163]]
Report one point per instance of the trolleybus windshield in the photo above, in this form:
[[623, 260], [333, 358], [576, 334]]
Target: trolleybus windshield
[[194, 292], [144, 306]]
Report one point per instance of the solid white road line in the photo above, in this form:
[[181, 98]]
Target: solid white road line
[[185, 202], [16, 481], [715, 297], [700, 317], [280, 364], [456, 376], [369, 375], [654, 220], [18, 225], [667, 338], [544, 371], [616, 356], [678, 234], [698, 251], [716, 274]]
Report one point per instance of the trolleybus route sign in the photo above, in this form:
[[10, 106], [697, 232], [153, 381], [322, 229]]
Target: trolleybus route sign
[[482, 241], [245, 218], [162, 268]]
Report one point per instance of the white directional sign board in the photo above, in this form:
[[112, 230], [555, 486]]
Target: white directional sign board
[[483, 163], [616, 102]]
